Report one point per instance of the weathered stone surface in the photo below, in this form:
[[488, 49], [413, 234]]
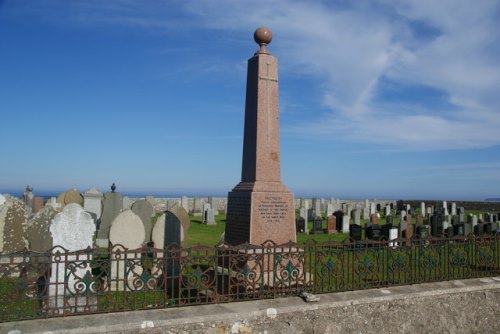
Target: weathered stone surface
[[112, 206], [92, 202], [177, 213], [127, 230], [144, 209], [73, 196], [73, 229], [13, 226], [39, 236]]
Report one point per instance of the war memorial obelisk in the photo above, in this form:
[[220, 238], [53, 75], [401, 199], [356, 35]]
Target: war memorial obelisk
[[260, 207]]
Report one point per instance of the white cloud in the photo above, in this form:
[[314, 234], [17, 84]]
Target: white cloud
[[350, 49], [450, 46]]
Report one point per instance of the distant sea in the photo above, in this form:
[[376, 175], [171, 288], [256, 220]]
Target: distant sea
[[48, 195]]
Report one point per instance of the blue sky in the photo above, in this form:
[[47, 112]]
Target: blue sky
[[378, 99]]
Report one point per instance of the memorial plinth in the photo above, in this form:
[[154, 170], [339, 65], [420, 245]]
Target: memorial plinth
[[260, 207]]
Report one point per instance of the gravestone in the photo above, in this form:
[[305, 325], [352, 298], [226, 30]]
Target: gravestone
[[355, 232], [437, 225], [92, 203], [345, 224], [300, 224], [126, 203], [39, 236], [145, 211], [159, 230], [111, 206], [318, 225], [373, 208], [356, 216], [13, 226], [72, 229], [373, 232], [387, 210], [393, 235], [197, 207], [185, 203], [38, 203], [422, 231], [304, 215], [209, 217], [419, 219], [385, 230], [331, 223], [422, 208], [329, 210], [459, 229], [366, 213], [338, 219], [374, 219], [214, 204], [127, 231], [316, 208], [260, 207]]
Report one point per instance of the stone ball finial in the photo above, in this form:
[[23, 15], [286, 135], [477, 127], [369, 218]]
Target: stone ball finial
[[113, 187], [263, 36]]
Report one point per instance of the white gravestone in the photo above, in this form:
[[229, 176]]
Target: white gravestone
[[393, 234], [92, 202], [345, 224], [74, 230]]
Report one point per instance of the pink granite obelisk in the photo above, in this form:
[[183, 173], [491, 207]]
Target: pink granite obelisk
[[260, 207]]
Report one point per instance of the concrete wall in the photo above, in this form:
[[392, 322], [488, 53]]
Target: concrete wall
[[467, 306]]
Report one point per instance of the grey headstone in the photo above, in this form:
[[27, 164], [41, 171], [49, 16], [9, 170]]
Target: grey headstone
[[145, 211], [13, 226], [39, 236], [112, 206]]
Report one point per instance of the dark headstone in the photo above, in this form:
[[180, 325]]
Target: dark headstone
[[355, 232], [437, 225], [488, 228], [338, 218], [385, 230], [300, 224], [373, 232], [479, 229], [459, 229], [318, 225], [422, 231]]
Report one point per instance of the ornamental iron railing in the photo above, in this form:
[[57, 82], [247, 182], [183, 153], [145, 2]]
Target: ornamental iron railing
[[60, 283]]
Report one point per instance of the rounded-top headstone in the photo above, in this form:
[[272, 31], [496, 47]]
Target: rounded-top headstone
[[127, 229], [263, 35], [73, 196]]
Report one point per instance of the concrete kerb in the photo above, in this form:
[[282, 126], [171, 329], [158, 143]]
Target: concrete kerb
[[136, 321]]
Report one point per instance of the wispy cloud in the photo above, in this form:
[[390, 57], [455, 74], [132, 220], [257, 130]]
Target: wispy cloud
[[353, 50], [349, 49]]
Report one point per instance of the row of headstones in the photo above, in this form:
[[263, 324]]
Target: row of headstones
[[433, 226], [74, 230], [19, 231]]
